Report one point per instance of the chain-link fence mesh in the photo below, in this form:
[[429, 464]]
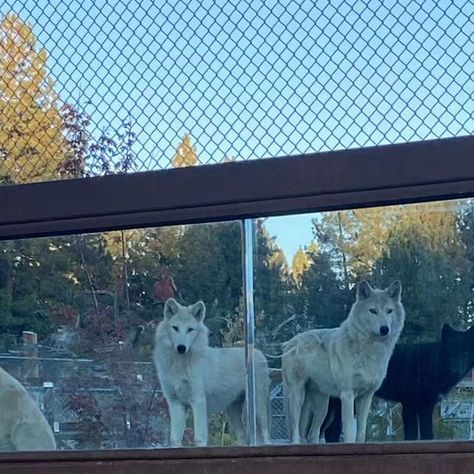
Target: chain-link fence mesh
[[89, 410], [91, 88]]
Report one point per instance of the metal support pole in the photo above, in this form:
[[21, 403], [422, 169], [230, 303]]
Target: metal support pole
[[247, 257]]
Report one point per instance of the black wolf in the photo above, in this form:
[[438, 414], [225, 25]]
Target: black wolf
[[417, 376]]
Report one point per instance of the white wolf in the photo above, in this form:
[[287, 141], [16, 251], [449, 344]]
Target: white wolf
[[22, 425], [349, 362], [206, 379]]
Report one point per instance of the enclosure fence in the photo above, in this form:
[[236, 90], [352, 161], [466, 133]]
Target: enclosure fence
[[91, 88]]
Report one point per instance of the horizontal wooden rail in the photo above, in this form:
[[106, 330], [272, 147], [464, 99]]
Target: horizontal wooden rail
[[412, 172], [406, 458]]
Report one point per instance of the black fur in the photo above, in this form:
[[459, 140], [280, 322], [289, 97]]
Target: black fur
[[417, 376]]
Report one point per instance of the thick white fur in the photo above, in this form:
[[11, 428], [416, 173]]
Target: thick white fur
[[206, 379], [22, 425], [349, 362]]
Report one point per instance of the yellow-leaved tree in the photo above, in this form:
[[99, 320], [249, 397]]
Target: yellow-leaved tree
[[186, 154], [300, 264], [32, 146]]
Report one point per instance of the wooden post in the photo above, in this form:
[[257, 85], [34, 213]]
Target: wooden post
[[30, 350]]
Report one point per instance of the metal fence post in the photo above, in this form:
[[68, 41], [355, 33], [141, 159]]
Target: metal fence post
[[247, 257]]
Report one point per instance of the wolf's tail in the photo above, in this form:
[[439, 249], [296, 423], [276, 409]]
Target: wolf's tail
[[284, 353]]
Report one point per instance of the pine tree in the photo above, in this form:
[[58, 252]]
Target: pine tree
[[325, 300], [426, 252], [354, 240]]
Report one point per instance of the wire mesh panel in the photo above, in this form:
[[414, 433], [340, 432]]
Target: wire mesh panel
[[279, 422], [90, 88]]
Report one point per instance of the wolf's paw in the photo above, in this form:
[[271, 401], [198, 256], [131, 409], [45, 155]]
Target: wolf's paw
[[175, 444]]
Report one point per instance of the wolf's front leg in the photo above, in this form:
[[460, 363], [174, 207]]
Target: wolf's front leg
[[178, 422], [199, 407], [347, 404], [362, 413]]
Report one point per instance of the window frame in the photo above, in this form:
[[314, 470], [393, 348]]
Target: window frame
[[411, 172], [368, 177]]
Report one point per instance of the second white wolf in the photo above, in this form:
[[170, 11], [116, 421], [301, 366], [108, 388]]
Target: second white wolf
[[349, 362], [205, 379]]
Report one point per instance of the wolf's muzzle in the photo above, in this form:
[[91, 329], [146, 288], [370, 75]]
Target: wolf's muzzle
[[384, 330], [181, 349]]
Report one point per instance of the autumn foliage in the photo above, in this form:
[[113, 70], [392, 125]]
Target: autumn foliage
[[32, 145]]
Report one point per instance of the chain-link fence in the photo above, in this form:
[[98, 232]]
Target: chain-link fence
[[91, 88], [88, 409]]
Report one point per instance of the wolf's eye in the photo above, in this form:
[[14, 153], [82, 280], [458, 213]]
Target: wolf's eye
[[175, 328], [373, 311], [190, 329], [389, 311]]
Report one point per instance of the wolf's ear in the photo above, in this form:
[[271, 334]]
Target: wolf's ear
[[171, 308], [395, 290], [198, 310], [364, 290], [446, 330]]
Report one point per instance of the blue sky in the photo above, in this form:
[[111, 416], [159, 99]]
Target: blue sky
[[253, 79], [292, 232]]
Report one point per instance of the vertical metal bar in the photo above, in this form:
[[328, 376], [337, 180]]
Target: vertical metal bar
[[247, 258]]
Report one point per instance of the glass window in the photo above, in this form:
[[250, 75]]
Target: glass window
[[78, 317], [309, 277], [362, 332]]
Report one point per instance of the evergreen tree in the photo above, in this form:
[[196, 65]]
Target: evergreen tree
[[425, 251], [326, 300]]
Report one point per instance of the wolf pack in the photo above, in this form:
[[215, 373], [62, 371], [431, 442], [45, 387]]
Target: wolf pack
[[330, 377]]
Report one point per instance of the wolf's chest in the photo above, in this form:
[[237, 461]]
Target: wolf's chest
[[364, 381], [181, 381], [182, 388], [369, 371]]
